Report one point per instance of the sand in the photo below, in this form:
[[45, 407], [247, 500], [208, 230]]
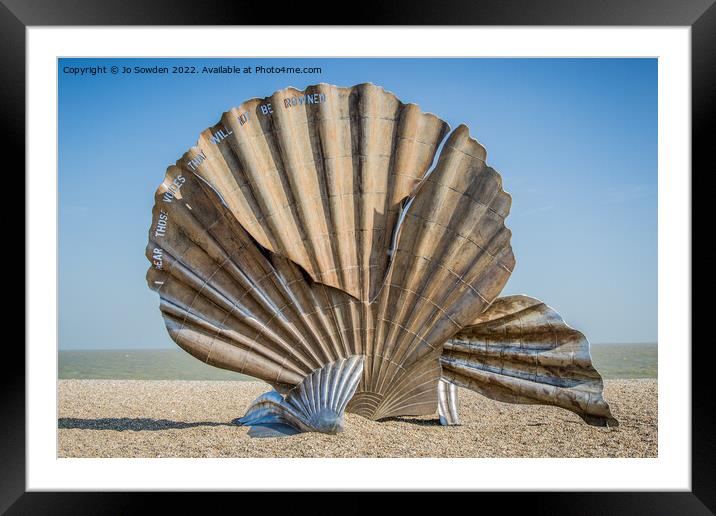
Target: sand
[[128, 418]]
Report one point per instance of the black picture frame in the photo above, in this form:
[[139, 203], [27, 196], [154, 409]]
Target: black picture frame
[[700, 15]]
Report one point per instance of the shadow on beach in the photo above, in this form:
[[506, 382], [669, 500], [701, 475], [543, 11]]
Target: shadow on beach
[[136, 424], [413, 421]]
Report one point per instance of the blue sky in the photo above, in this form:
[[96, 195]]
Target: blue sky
[[574, 139]]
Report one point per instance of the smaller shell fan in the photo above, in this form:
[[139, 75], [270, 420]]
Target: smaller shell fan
[[521, 351], [317, 404]]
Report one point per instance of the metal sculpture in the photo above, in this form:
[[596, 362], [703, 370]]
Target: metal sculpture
[[308, 228]]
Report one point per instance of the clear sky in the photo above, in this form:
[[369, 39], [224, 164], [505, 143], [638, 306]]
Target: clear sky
[[574, 139]]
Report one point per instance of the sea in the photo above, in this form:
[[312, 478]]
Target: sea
[[611, 360]]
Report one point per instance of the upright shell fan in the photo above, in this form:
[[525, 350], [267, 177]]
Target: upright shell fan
[[305, 229]]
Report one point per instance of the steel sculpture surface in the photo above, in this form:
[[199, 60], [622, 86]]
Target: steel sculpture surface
[[308, 228]]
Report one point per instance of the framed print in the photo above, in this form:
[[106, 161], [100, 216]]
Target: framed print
[[453, 255]]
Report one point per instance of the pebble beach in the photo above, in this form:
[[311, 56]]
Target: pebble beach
[[169, 418]]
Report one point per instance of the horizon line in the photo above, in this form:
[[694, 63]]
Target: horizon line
[[177, 348]]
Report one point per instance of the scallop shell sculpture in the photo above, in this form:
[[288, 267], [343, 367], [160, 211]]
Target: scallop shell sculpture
[[308, 227]]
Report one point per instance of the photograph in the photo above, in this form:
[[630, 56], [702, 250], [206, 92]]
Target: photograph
[[357, 257]]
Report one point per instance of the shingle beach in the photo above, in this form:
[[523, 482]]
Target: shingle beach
[[135, 418]]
